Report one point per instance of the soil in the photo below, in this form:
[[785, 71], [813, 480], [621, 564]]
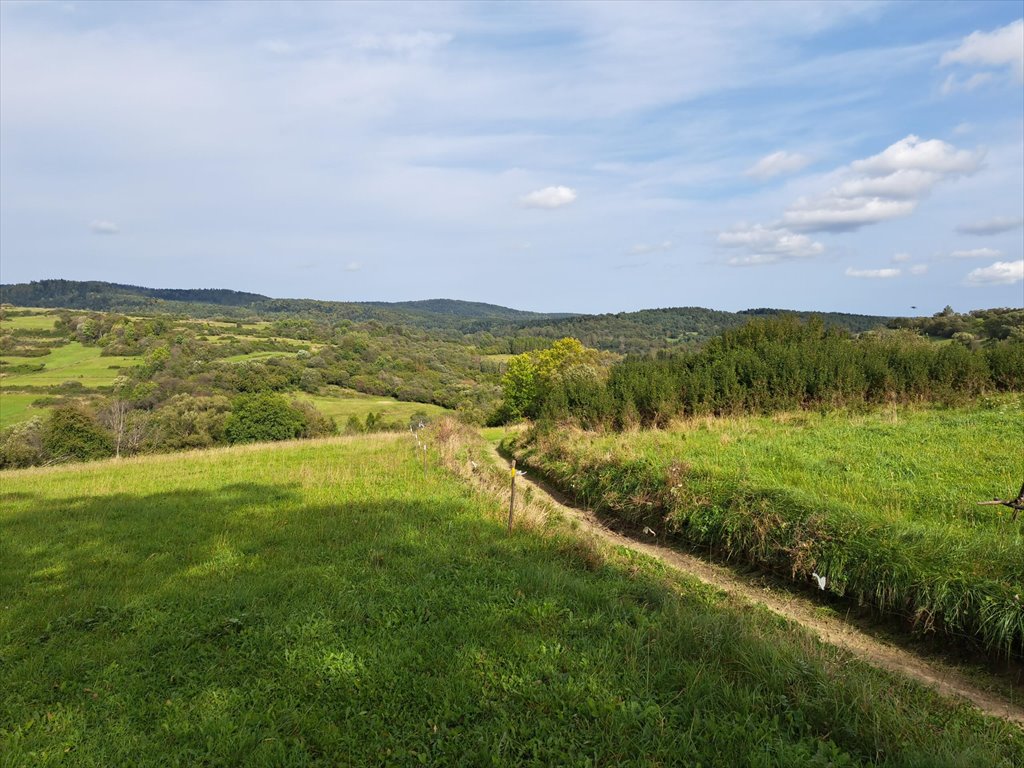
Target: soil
[[796, 608]]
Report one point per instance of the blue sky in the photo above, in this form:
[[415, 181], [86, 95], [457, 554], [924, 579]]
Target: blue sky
[[591, 157]]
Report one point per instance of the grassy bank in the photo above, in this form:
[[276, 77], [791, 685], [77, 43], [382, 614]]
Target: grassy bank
[[881, 504], [328, 603]]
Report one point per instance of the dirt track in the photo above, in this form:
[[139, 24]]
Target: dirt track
[[797, 609]]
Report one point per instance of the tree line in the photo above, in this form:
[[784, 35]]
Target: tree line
[[769, 365]]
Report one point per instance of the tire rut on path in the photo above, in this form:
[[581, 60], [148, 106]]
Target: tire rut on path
[[946, 681]]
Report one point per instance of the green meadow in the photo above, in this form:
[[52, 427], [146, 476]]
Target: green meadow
[[16, 407], [43, 321], [346, 403], [71, 362], [882, 504], [330, 603]]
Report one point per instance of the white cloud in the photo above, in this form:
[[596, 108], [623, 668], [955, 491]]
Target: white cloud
[[873, 273], [754, 260], [101, 227], [839, 214], [899, 258], [1003, 47], [1000, 273], [977, 253], [765, 245], [918, 269], [951, 84], [549, 197], [778, 163], [885, 186], [991, 226], [642, 248], [353, 266], [912, 154]]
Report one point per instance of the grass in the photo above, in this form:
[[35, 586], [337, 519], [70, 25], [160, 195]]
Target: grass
[[16, 407], [256, 356], [40, 322], [71, 362], [328, 603], [351, 403], [882, 504]]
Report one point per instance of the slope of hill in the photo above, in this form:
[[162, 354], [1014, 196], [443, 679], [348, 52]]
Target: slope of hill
[[444, 314], [644, 331], [333, 603]]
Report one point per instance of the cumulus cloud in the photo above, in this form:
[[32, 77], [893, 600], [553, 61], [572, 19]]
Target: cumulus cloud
[[999, 273], [899, 258], [778, 163], [766, 245], [549, 197], [918, 269], [977, 253], [886, 186], [1003, 47], [991, 226], [641, 248], [913, 154], [353, 266], [878, 274], [101, 227]]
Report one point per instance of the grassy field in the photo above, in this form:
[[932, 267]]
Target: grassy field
[[328, 603], [72, 362], [33, 322], [883, 505], [256, 356], [351, 403], [16, 407]]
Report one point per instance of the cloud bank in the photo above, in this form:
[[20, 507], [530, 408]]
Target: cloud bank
[[992, 226], [999, 273]]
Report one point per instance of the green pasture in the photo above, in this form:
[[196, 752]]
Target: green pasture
[[883, 504], [350, 403], [328, 603], [40, 322], [72, 362], [16, 407], [255, 356]]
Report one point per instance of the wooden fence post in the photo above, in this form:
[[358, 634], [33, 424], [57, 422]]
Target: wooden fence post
[[512, 499]]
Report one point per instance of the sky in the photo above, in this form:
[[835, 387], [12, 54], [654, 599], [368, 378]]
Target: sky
[[574, 157]]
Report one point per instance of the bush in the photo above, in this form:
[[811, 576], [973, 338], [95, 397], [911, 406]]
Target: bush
[[22, 445], [261, 417], [71, 434]]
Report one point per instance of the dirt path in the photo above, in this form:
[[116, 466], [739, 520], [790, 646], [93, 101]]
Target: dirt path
[[798, 609]]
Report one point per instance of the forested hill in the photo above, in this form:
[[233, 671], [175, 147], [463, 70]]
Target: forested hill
[[443, 314], [494, 327], [97, 295], [652, 329]]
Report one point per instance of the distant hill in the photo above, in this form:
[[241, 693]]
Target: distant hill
[[649, 330], [447, 314], [645, 331]]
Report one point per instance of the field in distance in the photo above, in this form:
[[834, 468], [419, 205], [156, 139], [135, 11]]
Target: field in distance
[[882, 505], [327, 602]]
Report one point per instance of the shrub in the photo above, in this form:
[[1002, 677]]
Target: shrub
[[22, 445], [71, 433], [263, 416]]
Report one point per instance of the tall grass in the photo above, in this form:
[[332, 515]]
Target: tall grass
[[882, 504], [329, 603]]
